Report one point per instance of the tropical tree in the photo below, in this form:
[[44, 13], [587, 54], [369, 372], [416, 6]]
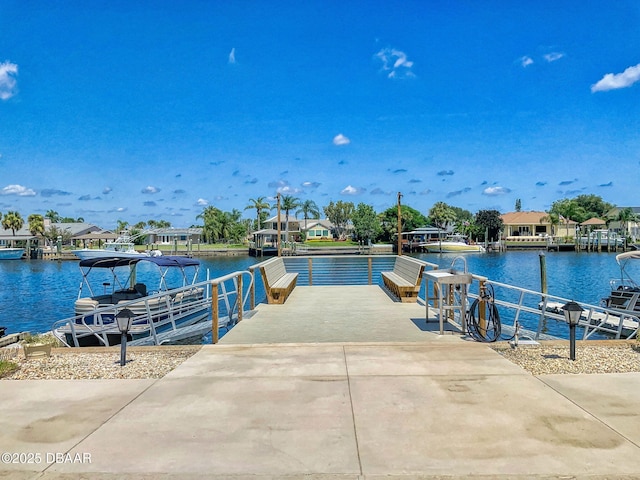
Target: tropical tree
[[625, 216], [122, 226], [553, 219], [442, 215], [54, 232], [308, 209], [366, 225], [289, 203], [518, 205], [211, 223], [339, 214], [13, 221], [261, 206], [410, 219], [36, 224], [53, 216], [490, 223]]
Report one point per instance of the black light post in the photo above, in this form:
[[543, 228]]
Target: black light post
[[124, 318], [572, 312]]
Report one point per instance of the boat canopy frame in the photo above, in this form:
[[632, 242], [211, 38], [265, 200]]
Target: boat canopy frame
[[117, 264]]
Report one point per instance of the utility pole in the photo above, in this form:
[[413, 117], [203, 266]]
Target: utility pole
[[279, 239], [399, 224]]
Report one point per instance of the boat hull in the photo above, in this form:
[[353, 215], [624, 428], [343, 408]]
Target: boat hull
[[11, 253], [87, 253], [452, 247]]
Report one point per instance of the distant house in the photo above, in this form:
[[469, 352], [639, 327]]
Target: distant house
[[170, 236], [314, 229], [536, 224], [8, 238], [80, 232], [632, 227], [294, 224], [318, 230]]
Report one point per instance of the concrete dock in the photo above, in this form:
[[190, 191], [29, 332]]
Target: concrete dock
[[417, 406]]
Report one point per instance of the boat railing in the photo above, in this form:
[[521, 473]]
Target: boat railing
[[534, 309], [224, 298]]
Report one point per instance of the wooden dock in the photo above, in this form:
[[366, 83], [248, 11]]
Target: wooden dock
[[344, 314]]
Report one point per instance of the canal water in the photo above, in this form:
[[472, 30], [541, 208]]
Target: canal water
[[36, 293]]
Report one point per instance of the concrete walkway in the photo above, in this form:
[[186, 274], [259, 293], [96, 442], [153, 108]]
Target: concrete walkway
[[338, 383], [326, 411]]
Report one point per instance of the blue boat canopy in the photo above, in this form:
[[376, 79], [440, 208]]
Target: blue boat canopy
[[164, 261]]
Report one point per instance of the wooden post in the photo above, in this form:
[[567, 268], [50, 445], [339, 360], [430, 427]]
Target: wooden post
[[370, 264], [310, 263], [239, 298], [399, 225], [214, 313], [543, 272]]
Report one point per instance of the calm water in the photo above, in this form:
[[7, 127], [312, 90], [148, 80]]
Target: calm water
[[36, 293]]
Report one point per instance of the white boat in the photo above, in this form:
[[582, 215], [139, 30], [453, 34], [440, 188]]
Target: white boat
[[452, 244], [11, 253], [110, 285], [122, 247]]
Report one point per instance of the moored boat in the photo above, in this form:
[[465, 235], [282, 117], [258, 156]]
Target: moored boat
[[452, 244], [11, 253], [122, 247], [167, 307]]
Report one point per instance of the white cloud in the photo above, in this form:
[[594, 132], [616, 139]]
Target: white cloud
[[619, 80], [311, 184], [150, 189], [495, 191], [8, 82], [201, 202], [18, 190], [526, 61], [289, 190], [396, 63], [232, 56], [350, 190], [340, 139], [553, 56]]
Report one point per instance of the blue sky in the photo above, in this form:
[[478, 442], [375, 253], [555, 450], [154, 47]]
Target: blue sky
[[153, 110]]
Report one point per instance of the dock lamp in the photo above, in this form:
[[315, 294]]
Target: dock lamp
[[572, 313], [124, 318]]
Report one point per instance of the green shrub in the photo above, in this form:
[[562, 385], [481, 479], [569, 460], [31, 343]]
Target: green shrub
[[7, 367]]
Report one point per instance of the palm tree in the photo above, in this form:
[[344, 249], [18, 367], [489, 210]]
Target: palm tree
[[211, 223], [259, 204], [553, 219], [625, 216], [12, 221], [288, 203], [53, 216], [121, 226], [308, 207], [36, 224]]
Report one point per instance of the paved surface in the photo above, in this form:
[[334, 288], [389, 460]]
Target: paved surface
[[338, 314], [277, 399], [327, 411]]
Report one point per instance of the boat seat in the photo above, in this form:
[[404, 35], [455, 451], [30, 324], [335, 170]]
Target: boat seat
[[141, 288]]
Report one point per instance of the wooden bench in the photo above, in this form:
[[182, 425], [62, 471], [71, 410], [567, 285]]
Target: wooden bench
[[277, 282], [405, 279]]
